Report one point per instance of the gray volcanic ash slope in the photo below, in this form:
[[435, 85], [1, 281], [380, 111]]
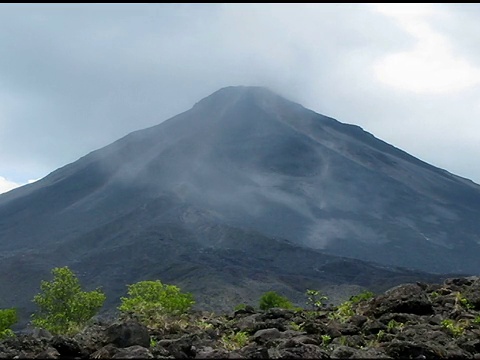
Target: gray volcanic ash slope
[[245, 188]]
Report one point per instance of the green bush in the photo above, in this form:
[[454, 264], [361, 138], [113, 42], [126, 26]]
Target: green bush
[[64, 307], [315, 299], [392, 324], [456, 328], [8, 317], [240, 307], [234, 341], [346, 310], [463, 301], [364, 295], [326, 339], [153, 342], [343, 312], [150, 299], [271, 299]]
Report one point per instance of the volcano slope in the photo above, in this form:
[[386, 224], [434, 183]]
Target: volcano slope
[[245, 192]]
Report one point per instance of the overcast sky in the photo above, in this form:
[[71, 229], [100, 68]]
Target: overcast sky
[[76, 77]]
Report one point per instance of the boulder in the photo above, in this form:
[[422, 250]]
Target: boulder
[[247, 310], [40, 333], [344, 352], [472, 294], [129, 333], [48, 353], [106, 352], [279, 313], [266, 335], [306, 351], [133, 352], [182, 347], [92, 338], [208, 352], [408, 350], [408, 298], [251, 323], [67, 347]]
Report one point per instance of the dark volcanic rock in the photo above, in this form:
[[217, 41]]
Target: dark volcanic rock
[[182, 347], [266, 335], [133, 352], [373, 326], [67, 347], [208, 352], [408, 298], [49, 353], [473, 292], [92, 338], [409, 350], [106, 352], [346, 352], [306, 351], [127, 334]]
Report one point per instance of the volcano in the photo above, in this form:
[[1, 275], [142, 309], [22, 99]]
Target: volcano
[[244, 193]]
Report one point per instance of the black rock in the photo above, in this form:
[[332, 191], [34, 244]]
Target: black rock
[[126, 334]]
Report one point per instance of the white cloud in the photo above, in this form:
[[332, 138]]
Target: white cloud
[[6, 185], [431, 66], [113, 70]]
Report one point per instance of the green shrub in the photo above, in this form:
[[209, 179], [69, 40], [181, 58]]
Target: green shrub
[[343, 312], [153, 342], [463, 301], [8, 317], [64, 307], [271, 299], [364, 295], [240, 307], [393, 324], [455, 328], [150, 300], [204, 324], [314, 299], [343, 340], [234, 341], [326, 339], [296, 327]]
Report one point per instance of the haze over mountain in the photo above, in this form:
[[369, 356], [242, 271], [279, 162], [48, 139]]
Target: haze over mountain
[[246, 190]]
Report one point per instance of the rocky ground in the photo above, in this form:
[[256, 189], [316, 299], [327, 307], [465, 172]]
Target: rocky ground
[[418, 321]]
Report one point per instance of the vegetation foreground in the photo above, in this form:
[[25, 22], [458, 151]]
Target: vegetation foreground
[[156, 321]]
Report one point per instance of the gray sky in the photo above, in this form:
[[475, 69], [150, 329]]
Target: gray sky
[[76, 77]]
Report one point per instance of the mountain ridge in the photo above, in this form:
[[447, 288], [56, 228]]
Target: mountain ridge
[[241, 178], [119, 159]]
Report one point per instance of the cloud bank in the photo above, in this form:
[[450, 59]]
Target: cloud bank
[[75, 77], [6, 185]]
